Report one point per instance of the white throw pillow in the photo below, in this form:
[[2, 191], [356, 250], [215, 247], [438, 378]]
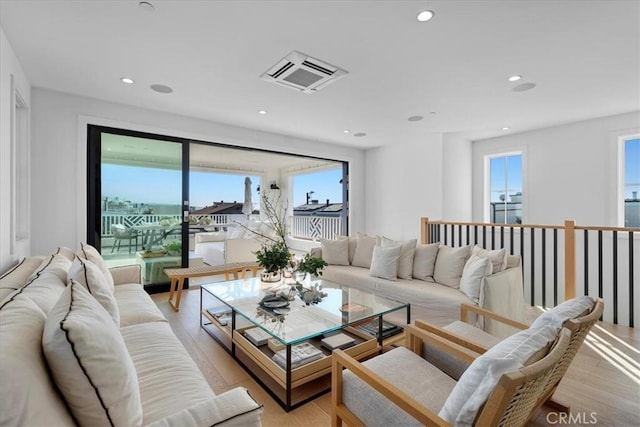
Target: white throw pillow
[[424, 261], [449, 265], [480, 378], [407, 250], [89, 275], [89, 361], [570, 309], [384, 262], [90, 253], [364, 251], [335, 252], [498, 257], [236, 232], [473, 274], [353, 241]]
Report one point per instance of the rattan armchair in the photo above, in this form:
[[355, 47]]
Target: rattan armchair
[[511, 402], [451, 350]]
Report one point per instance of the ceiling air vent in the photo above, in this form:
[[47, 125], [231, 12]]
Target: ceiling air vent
[[302, 72]]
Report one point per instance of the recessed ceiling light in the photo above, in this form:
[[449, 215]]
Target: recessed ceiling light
[[126, 80], [432, 112], [425, 15], [505, 128], [515, 78], [346, 131], [415, 118], [161, 88], [360, 134], [262, 112], [146, 6]]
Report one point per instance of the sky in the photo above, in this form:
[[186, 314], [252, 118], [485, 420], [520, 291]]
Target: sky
[[163, 186], [632, 167], [513, 176]]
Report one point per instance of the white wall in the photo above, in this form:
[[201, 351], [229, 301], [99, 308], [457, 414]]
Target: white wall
[[403, 182], [9, 66], [456, 178], [568, 170], [59, 157]]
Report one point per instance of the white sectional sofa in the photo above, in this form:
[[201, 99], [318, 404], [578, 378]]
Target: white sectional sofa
[[435, 279], [88, 352]]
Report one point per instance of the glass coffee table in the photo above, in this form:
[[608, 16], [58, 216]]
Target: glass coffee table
[[287, 346]]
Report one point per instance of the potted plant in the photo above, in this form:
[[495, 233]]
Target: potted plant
[[312, 265], [174, 247], [273, 258]]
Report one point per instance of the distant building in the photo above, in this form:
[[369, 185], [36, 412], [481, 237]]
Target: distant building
[[316, 209], [221, 208]]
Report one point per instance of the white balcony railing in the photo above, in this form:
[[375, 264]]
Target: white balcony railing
[[315, 227]]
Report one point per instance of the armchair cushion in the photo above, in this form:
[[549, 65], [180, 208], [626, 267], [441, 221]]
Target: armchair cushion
[[407, 371], [570, 309], [479, 380]]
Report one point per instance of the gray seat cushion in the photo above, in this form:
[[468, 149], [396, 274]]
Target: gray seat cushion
[[407, 371]]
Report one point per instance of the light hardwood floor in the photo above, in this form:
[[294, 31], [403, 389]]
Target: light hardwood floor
[[602, 385]]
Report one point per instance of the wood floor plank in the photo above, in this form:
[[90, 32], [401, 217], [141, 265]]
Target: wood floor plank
[[604, 378]]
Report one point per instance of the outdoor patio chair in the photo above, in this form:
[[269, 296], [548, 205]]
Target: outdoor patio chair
[[120, 233]]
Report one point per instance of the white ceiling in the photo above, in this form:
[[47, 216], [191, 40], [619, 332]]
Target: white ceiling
[[583, 55]]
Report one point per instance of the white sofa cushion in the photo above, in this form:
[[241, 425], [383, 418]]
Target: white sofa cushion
[[136, 306], [90, 362], [90, 253], [210, 236], [424, 261], [335, 252], [498, 257], [384, 262], [475, 270], [479, 380], [364, 251], [353, 242], [407, 251], [449, 265], [89, 275]]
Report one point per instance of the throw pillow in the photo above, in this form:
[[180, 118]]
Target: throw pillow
[[424, 261], [236, 232], [449, 265], [90, 253], [364, 251], [66, 252], [473, 273], [89, 361], [89, 275], [384, 262], [407, 251], [353, 241], [335, 252], [570, 309], [480, 378], [498, 257]]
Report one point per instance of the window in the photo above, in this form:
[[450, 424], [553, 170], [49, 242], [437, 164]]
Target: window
[[631, 188], [20, 170], [505, 188]]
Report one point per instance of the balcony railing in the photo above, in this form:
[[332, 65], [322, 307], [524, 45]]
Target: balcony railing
[[560, 261], [315, 227], [129, 220]]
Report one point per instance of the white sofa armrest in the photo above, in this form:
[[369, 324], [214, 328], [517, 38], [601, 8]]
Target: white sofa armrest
[[503, 294], [126, 274], [232, 408]]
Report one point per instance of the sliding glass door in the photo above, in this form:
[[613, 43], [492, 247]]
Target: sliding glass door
[[137, 204]]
